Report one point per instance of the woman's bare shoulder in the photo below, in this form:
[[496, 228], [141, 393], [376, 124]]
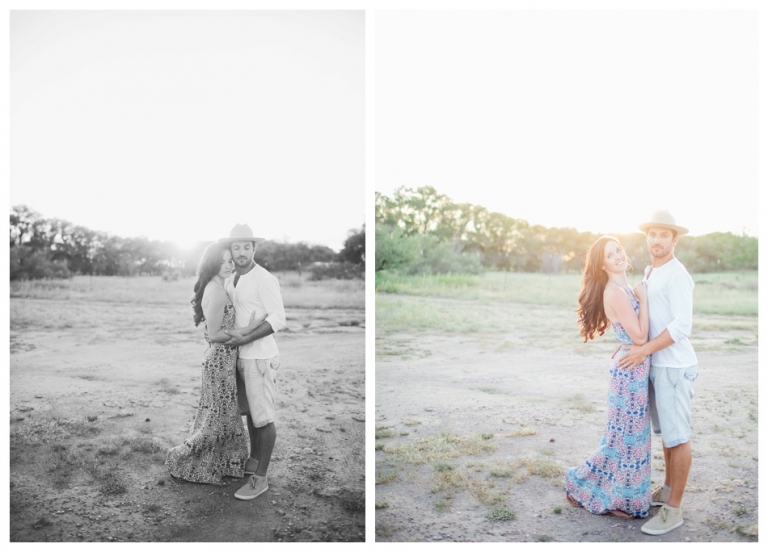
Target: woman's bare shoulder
[[214, 292], [614, 296]]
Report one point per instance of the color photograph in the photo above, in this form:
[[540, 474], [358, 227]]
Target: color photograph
[[566, 275]]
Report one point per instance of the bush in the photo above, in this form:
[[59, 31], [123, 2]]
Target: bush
[[435, 257], [337, 271], [394, 250], [28, 264], [421, 254], [170, 275]]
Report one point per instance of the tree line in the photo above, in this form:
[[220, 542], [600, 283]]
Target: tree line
[[419, 230], [54, 248]]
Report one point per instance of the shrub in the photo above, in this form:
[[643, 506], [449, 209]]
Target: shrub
[[337, 271], [28, 264], [421, 254]]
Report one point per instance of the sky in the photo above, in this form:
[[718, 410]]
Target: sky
[[589, 119], [177, 125]]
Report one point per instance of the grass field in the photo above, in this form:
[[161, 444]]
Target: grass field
[[470, 304], [297, 290]]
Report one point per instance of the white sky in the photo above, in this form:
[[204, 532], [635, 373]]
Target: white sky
[[176, 125], [588, 119]]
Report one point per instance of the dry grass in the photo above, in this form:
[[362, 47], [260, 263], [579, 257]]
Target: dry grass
[[297, 290], [522, 469], [501, 514], [488, 493], [383, 433], [523, 432], [383, 479], [440, 447], [446, 480]]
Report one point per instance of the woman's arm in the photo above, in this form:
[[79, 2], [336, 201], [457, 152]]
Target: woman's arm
[[618, 308], [213, 303]]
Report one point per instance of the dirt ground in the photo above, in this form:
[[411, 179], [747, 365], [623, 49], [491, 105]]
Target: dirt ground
[[539, 410], [101, 392]]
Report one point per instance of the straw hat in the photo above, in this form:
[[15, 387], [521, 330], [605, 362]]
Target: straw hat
[[663, 219], [241, 232]]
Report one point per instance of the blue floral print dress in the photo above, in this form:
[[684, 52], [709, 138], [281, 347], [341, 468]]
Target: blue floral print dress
[[617, 475]]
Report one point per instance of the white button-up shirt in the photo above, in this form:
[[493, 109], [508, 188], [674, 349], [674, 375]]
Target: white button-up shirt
[[670, 306], [257, 291]]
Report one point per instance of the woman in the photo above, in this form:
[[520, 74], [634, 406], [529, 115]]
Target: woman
[[216, 445], [616, 478]]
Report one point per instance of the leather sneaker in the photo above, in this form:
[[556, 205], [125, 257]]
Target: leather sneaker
[[256, 486], [663, 522]]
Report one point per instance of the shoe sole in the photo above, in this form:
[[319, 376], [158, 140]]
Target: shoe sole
[[251, 497], [658, 503], [661, 531]]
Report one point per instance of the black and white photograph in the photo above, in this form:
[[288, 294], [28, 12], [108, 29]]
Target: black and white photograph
[[187, 268]]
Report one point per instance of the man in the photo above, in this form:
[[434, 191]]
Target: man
[[673, 365], [254, 290]]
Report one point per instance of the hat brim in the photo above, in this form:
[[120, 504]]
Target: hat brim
[[230, 240], [679, 229]]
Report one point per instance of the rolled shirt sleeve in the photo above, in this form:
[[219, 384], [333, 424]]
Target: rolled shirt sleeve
[[680, 293], [270, 296]]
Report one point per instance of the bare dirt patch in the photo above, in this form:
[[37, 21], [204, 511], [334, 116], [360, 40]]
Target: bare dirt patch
[[100, 390], [474, 432]]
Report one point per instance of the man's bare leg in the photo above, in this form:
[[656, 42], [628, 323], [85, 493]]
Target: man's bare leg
[[667, 467], [252, 437], [265, 444], [679, 465], [262, 443]]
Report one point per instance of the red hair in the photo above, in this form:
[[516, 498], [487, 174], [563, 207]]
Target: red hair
[[591, 311]]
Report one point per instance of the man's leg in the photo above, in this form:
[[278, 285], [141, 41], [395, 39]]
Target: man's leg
[[259, 382], [254, 445], [667, 466], [265, 439], [678, 468], [674, 391]]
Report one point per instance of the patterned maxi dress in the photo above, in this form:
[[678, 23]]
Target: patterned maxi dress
[[617, 475], [216, 445]]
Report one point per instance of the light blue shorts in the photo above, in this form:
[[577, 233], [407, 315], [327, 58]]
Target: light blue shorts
[[671, 392]]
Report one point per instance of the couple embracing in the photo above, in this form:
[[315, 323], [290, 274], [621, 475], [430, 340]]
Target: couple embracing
[[651, 379], [241, 305]]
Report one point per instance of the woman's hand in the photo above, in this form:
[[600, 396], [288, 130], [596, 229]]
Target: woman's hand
[[641, 292]]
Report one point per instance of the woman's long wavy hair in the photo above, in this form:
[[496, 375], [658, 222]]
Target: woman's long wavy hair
[[591, 311], [207, 268]]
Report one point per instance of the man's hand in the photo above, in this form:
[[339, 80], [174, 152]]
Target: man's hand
[[237, 341], [635, 356]]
